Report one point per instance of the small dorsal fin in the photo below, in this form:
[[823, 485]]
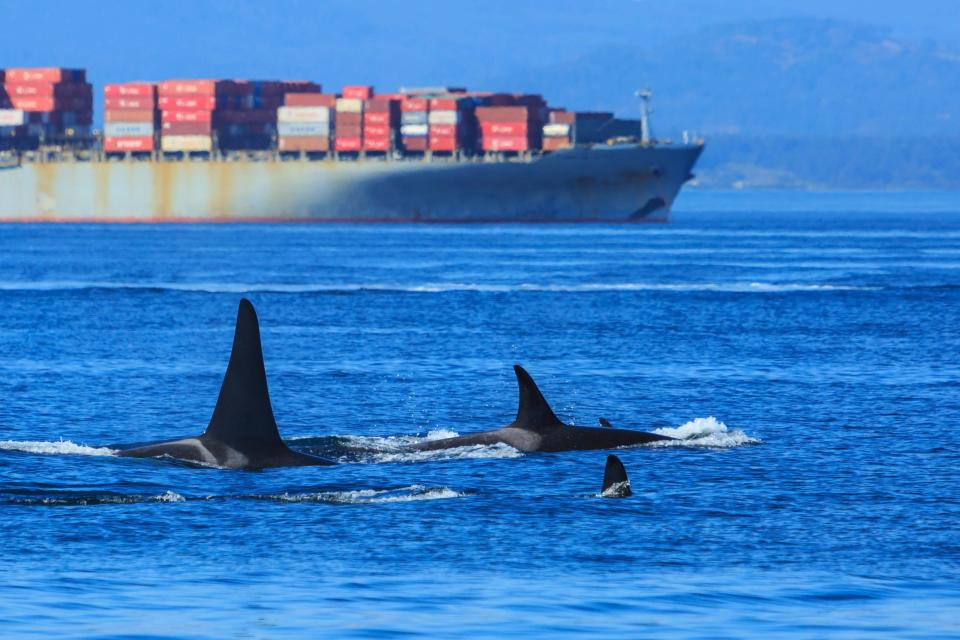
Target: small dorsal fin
[[605, 423], [243, 416], [533, 413], [616, 484]]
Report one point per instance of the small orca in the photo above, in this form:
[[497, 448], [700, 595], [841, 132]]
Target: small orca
[[538, 429], [242, 433], [616, 484]]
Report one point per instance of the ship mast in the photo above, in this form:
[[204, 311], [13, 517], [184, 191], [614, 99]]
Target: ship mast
[[645, 95]]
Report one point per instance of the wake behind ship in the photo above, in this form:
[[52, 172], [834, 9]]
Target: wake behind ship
[[203, 150]]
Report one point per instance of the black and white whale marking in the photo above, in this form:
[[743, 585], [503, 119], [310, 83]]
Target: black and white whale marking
[[538, 429], [616, 484], [242, 433]]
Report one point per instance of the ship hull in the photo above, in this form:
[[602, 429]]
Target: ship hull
[[601, 183]]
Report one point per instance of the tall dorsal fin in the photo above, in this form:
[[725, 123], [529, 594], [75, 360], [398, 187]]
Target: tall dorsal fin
[[243, 415], [616, 484], [533, 413]]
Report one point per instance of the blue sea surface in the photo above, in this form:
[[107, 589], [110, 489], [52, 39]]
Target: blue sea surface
[[805, 347]]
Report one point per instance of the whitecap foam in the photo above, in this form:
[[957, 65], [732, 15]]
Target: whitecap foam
[[704, 432], [428, 287], [379, 449], [169, 496], [61, 447], [372, 496]]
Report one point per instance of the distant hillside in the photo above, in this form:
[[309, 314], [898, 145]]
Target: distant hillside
[[793, 77]]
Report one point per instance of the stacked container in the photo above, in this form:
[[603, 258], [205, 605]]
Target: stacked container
[[450, 120], [305, 122], [130, 117], [186, 112], [381, 119], [415, 124], [47, 102], [349, 128], [558, 132], [509, 129]]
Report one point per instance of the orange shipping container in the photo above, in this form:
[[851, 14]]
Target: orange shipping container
[[128, 144], [303, 143], [554, 144], [310, 100], [129, 115]]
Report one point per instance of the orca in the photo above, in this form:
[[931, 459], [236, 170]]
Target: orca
[[616, 484], [242, 433], [537, 428]]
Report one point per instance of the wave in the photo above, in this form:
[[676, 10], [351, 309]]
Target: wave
[[389, 449], [60, 447], [94, 499], [704, 432], [367, 496], [427, 287]]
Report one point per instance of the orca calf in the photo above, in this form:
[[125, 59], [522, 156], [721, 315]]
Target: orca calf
[[616, 484], [538, 429], [242, 433]]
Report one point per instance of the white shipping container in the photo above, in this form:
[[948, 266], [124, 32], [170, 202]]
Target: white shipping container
[[186, 143], [556, 130], [414, 130], [11, 117], [350, 105], [128, 129], [303, 114], [443, 117]]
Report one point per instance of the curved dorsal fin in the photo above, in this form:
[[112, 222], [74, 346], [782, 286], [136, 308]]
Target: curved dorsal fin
[[243, 415], [533, 413], [616, 484]]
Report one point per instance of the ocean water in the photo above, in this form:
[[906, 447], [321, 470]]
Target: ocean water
[[805, 347]]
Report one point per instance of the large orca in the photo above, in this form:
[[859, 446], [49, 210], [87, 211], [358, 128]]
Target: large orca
[[616, 484], [538, 429], [242, 433]]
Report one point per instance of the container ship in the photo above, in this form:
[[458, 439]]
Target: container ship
[[257, 150]]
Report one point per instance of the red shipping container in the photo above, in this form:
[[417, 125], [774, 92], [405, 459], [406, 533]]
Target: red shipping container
[[378, 118], [376, 144], [28, 103], [48, 89], [355, 131], [443, 143], [347, 119], [376, 131], [414, 104], [358, 92], [202, 87], [378, 105], [506, 143], [45, 74], [352, 143], [503, 114], [562, 117], [196, 115], [310, 100], [504, 129], [415, 143], [129, 103], [303, 143], [187, 128], [443, 130], [187, 102], [556, 143], [128, 144], [129, 115], [444, 104], [130, 90]]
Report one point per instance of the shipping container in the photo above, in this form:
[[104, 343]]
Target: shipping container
[[303, 114], [197, 87], [414, 104], [354, 131], [115, 145], [129, 103], [310, 100], [556, 130], [349, 105], [129, 115], [503, 114], [12, 118], [193, 115], [378, 143], [195, 102], [352, 143], [506, 143], [556, 143], [50, 103], [45, 74], [303, 129], [130, 90], [128, 129], [414, 130], [443, 143], [186, 128], [304, 143], [414, 117], [376, 130], [358, 92], [504, 129], [444, 130], [379, 119], [443, 117], [186, 143], [49, 90], [415, 143], [348, 119]]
